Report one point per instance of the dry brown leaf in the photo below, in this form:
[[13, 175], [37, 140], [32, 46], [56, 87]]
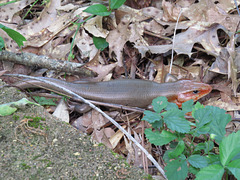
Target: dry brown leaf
[[9, 12], [61, 111], [109, 132], [98, 120], [94, 26], [138, 160], [115, 139], [205, 13], [85, 45], [130, 150], [237, 62], [100, 137], [232, 68], [184, 41], [118, 37], [171, 11], [102, 70], [157, 15], [227, 5], [224, 105], [58, 52], [221, 65], [89, 121], [84, 121]]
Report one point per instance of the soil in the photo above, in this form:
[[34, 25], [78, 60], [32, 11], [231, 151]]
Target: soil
[[35, 145]]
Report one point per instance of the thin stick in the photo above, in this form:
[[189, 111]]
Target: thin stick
[[173, 41]]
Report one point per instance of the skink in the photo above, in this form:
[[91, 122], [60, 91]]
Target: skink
[[136, 93]]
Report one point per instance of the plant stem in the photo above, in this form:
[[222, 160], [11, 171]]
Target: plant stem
[[79, 25]]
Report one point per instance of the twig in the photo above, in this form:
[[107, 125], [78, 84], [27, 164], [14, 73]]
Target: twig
[[100, 111], [30, 59], [173, 41]]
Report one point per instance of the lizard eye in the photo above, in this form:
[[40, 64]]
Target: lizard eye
[[195, 92]]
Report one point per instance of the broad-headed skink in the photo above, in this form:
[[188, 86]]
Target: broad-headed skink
[[136, 93]]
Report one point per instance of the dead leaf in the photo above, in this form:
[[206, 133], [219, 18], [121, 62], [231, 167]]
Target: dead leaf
[[171, 11], [206, 13], [232, 68], [184, 41], [114, 140], [94, 26], [85, 45], [9, 13], [61, 111], [118, 37], [100, 137]]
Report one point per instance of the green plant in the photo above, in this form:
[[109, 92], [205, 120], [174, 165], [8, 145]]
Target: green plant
[[43, 3], [44, 101], [9, 2], [183, 157], [24, 166], [16, 36], [98, 10]]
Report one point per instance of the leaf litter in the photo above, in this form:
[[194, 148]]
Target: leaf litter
[[206, 44]]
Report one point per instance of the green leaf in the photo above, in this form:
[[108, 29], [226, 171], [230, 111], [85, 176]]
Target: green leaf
[[151, 117], [166, 157], [213, 117], [159, 139], [2, 44], [157, 124], [9, 108], [100, 43], [178, 150], [197, 106], [6, 110], [9, 2], [199, 146], [234, 167], [213, 159], [193, 170], [98, 9], [159, 104], [16, 36], [187, 106], [198, 161], [44, 102], [213, 172], [175, 121], [206, 146], [177, 169], [115, 4], [171, 106], [202, 117], [236, 157], [229, 147], [202, 130], [219, 122]]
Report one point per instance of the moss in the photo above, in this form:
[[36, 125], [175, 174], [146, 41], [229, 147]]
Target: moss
[[36, 122], [24, 166], [15, 117]]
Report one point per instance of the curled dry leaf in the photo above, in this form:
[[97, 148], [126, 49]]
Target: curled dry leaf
[[171, 11], [94, 26], [85, 45]]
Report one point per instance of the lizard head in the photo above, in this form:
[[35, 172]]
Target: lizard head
[[191, 90]]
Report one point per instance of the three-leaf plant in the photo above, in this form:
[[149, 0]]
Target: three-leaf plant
[[16, 36], [184, 156], [101, 10]]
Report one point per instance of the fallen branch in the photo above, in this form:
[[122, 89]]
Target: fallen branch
[[30, 59]]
